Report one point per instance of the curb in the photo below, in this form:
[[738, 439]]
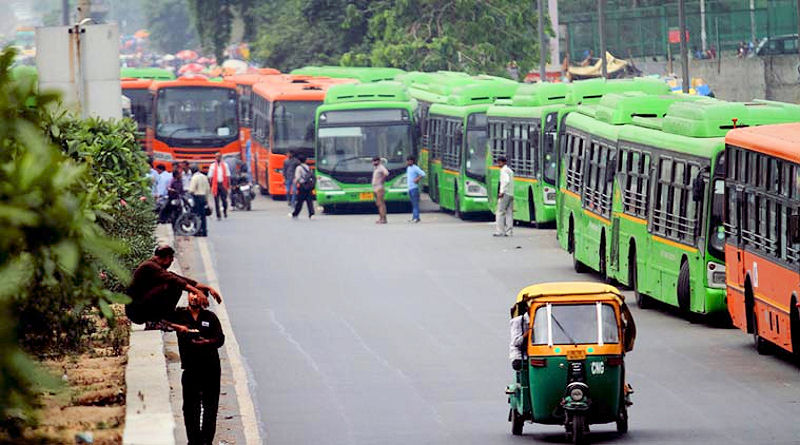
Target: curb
[[148, 411]]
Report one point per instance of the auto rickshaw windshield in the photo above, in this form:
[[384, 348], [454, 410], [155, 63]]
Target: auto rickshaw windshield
[[575, 324]]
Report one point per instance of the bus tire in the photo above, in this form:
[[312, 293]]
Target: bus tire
[[603, 264], [794, 328], [684, 289], [633, 280], [571, 236], [578, 265], [761, 345], [532, 209], [457, 206]]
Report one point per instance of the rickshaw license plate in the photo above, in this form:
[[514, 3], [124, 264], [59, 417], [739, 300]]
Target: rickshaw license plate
[[366, 196], [576, 354]]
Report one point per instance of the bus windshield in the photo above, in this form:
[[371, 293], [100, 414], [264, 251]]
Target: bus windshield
[[549, 149], [141, 105], [294, 125], [197, 113], [350, 149]]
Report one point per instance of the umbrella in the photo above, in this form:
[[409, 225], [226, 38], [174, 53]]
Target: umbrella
[[193, 68], [142, 34], [186, 54], [204, 60]]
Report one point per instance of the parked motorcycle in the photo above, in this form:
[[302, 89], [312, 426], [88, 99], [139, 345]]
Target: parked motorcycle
[[242, 193], [180, 214]]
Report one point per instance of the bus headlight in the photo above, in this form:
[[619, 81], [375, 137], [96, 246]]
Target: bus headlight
[[474, 189], [549, 196], [715, 275], [326, 184]]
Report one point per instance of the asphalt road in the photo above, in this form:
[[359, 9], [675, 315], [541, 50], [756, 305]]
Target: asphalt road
[[356, 333]]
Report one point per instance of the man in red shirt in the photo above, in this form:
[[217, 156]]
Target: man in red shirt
[[220, 176]]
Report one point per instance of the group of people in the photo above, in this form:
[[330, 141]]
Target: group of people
[[204, 187], [155, 292], [414, 175]]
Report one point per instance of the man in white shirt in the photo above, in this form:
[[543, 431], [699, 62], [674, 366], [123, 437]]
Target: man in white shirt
[[220, 176], [504, 216], [379, 175]]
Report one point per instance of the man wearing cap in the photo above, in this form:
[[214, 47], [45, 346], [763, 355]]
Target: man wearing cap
[[155, 291], [504, 216]]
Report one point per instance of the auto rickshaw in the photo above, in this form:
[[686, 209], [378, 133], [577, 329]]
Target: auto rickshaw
[[572, 367]]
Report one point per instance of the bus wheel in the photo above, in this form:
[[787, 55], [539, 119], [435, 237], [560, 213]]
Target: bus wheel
[[532, 209], [457, 206], [633, 282], [578, 265], [794, 327], [603, 269], [684, 289]]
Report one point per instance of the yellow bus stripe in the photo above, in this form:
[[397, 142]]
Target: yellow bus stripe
[[630, 218], [674, 244], [451, 172], [597, 217], [532, 180], [763, 298], [494, 167], [569, 193]]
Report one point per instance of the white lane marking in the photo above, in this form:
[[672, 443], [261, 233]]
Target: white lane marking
[[244, 398]]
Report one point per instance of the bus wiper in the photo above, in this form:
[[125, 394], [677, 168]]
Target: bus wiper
[[352, 158], [181, 129], [569, 337]]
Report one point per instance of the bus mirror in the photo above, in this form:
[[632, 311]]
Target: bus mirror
[[459, 138], [794, 228], [697, 189], [417, 130]]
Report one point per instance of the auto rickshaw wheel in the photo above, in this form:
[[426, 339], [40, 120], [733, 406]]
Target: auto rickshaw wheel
[[622, 419], [578, 429], [516, 423]]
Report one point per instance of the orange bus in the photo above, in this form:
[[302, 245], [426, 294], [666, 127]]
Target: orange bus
[[244, 87], [193, 119], [283, 120], [138, 91], [762, 221]]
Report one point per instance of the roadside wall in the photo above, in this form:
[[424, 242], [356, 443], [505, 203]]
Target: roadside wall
[[732, 78]]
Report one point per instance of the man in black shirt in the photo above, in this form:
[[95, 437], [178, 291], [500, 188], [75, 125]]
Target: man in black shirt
[[155, 291], [199, 337]]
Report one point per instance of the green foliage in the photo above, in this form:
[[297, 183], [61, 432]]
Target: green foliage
[[71, 227], [473, 36], [170, 28], [212, 18]]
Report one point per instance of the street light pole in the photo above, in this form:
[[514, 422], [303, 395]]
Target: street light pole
[[65, 12], [601, 20], [684, 52], [542, 45]]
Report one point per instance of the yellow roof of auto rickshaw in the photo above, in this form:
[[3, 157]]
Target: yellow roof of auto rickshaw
[[585, 291]]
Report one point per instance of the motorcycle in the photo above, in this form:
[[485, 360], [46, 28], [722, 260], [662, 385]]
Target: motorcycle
[[180, 214], [242, 193]]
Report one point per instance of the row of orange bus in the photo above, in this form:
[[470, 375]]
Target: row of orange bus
[[254, 119]]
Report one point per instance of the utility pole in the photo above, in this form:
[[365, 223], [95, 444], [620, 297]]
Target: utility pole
[[797, 11], [703, 25], [555, 41], [601, 21], [684, 52], [65, 12], [753, 21], [542, 45]]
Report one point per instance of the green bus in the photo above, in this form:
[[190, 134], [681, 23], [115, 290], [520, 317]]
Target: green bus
[[667, 238], [456, 132], [637, 202], [428, 89], [515, 131], [355, 123], [146, 73], [535, 160], [360, 73]]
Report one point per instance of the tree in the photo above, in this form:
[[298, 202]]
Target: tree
[[212, 18], [169, 24]]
